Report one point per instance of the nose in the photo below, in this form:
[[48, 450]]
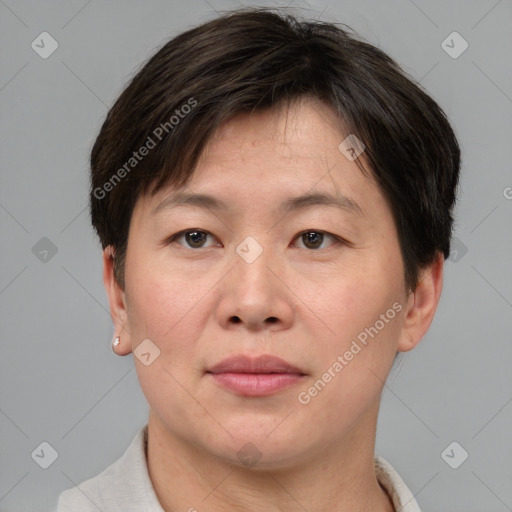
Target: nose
[[255, 295]]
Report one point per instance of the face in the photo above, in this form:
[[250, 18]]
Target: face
[[320, 286]]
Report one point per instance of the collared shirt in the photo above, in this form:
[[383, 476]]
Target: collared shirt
[[125, 486]]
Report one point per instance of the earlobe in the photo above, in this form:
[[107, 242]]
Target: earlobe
[[116, 298], [422, 305]]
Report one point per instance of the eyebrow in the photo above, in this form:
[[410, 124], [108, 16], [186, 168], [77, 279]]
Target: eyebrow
[[205, 201]]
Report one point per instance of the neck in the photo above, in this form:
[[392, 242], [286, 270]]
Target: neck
[[187, 477]]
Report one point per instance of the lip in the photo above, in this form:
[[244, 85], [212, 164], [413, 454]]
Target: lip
[[260, 364], [255, 376]]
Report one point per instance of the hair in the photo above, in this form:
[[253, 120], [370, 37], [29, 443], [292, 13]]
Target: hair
[[256, 58]]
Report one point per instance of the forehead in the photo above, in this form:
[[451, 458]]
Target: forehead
[[284, 158], [304, 129]]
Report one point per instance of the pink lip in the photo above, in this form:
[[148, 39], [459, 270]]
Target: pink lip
[[257, 376], [260, 364]]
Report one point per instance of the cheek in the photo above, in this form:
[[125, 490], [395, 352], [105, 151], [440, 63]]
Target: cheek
[[170, 308], [356, 300], [160, 298], [164, 313], [353, 363], [363, 312]]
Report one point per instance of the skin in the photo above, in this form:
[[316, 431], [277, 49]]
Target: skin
[[304, 303]]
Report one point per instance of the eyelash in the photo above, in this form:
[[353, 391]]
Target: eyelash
[[172, 239]]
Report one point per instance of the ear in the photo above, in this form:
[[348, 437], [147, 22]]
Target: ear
[[422, 305], [117, 301]]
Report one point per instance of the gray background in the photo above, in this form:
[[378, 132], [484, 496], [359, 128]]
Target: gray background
[[60, 382]]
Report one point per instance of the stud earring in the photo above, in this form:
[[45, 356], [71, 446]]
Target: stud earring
[[116, 341]]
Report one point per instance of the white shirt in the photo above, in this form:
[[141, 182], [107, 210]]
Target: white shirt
[[125, 485]]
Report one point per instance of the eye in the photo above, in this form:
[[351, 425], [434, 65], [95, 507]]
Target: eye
[[314, 238], [195, 238]]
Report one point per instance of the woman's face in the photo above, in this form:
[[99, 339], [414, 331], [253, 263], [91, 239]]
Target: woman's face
[[246, 281]]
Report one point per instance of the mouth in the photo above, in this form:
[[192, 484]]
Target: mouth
[[255, 376]]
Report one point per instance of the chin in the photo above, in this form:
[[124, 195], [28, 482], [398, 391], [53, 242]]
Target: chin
[[259, 449]]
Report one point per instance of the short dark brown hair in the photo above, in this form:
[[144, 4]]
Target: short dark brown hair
[[258, 58]]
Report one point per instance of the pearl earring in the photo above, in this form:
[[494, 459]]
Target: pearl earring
[[116, 341]]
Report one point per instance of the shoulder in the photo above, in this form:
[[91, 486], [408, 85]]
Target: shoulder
[[401, 496], [118, 487], [90, 495]]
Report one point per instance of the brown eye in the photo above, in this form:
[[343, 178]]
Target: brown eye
[[194, 238], [313, 239]]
